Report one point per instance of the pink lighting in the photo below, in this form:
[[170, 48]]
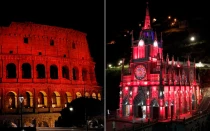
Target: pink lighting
[[145, 83], [155, 43], [141, 43], [168, 90]]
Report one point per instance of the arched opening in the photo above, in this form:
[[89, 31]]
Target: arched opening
[[43, 124], [28, 100], [53, 72], [11, 100], [65, 72], [75, 73], [26, 71], [11, 70], [68, 98], [56, 99], [126, 105], [140, 105], [40, 68], [99, 96], [92, 75], [94, 95], [13, 124], [78, 95], [28, 124], [42, 99], [87, 94], [154, 111], [84, 74]]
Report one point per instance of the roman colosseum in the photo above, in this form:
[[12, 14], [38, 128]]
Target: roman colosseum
[[48, 66]]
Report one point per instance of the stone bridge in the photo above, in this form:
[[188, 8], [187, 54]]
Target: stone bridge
[[31, 120]]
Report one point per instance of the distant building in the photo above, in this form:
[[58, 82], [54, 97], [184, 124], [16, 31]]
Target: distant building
[[49, 66], [156, 88]]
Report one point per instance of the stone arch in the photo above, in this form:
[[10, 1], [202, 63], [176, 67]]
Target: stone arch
[[56, 99], [68, 97], [11, 70], [139, 99], [65, 72], [42, 99], [99, 96], [28, 124], [94, 95], [87, 94], [40, 69], [43, 124], [154, 103], [75, 74], [154, 109], [78, 94], [26, 71], [84, 74], [28, 99], [73, 45], [139, 102], [53, 72], [13, 124], [11, 100]]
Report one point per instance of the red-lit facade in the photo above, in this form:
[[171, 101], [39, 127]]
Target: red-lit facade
[[157, 88], [49, 66]]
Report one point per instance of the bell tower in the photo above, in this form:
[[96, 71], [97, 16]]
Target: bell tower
[[147, 46]]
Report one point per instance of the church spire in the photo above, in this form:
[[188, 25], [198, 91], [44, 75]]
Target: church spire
[[155, 35], [147, 19]]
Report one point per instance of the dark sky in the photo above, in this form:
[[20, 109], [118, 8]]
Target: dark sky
[[83, 15], [129, 13]]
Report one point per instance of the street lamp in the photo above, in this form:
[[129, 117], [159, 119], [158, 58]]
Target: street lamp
[[192, 38], [21, 98], [71, 109]]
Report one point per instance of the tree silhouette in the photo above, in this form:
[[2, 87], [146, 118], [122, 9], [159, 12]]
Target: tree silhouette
[[81, 106]]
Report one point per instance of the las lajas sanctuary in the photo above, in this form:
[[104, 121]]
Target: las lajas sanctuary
[[41, 69], [157, 88]]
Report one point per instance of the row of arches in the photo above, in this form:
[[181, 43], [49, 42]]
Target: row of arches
[[42, 100], [41, 72], [139, 106]]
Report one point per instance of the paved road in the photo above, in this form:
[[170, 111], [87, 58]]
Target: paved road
[[127, 122]]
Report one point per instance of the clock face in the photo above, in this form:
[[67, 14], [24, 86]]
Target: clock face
[[140, 72]]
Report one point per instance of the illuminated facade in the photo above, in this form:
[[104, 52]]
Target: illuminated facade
[[49, 66], [157, 88]]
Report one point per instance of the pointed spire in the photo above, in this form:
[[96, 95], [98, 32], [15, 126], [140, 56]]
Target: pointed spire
[[155, 35], [147, 19], [167, 58], [172, 61]]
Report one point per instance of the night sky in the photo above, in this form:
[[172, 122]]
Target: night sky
[[128, 14], [83, 15]]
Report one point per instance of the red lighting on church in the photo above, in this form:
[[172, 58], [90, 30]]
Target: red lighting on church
[[157, 88]]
